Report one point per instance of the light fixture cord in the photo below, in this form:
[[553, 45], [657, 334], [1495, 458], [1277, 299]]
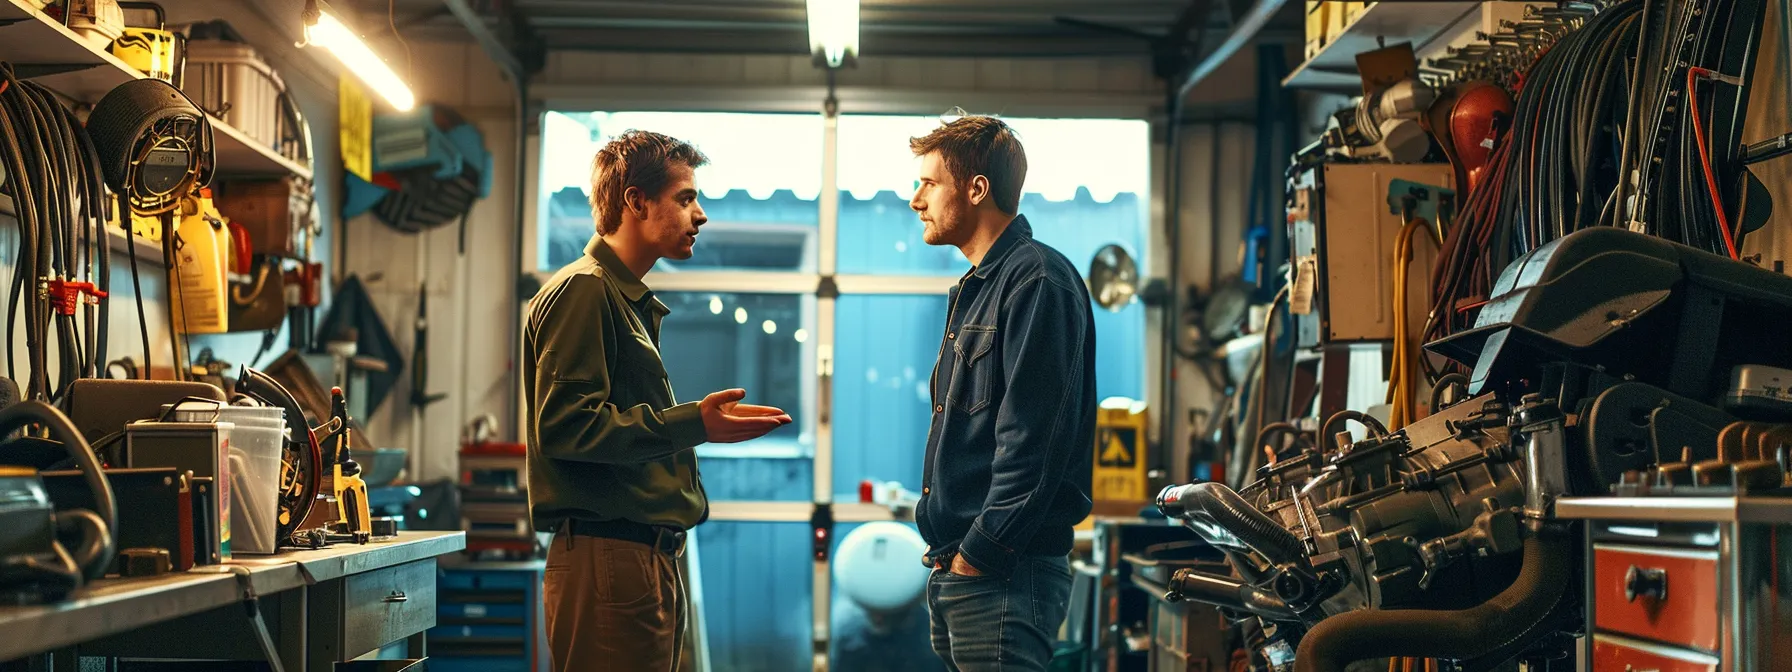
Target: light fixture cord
[[307, 20]]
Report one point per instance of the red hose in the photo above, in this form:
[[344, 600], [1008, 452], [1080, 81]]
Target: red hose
[[1698, 133]]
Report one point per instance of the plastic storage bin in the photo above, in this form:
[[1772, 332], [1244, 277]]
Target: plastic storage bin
[[255, 416], [254, 501], [211, 411], [231, 82], [257, 441]]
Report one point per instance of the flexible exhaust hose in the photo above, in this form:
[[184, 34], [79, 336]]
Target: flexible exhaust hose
[[1469, 633], [1218, 504], [1225, 591]]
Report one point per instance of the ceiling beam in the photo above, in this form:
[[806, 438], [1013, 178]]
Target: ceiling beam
[[936, 7], [729, 41], [495, 48], [872, 45], [1247, 29]]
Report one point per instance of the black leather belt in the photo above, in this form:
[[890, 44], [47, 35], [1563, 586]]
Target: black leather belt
[[668, 540]]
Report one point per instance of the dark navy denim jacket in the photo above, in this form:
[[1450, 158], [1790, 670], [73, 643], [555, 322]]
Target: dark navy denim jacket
[[1007, 472]]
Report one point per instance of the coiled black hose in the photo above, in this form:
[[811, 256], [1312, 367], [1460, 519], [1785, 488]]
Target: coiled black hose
[[1218, 504], [1469, 633], [96, 556]]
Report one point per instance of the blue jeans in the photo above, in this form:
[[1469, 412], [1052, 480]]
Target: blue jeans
[[986, 624]]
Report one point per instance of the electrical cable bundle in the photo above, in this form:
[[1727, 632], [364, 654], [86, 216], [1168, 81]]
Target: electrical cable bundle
[[1700, 53], [1608, 97], [1553, 170], [63, 264]]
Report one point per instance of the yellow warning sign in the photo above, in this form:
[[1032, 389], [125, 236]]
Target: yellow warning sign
[[356, 112], [1118, 449], [1120, 465]]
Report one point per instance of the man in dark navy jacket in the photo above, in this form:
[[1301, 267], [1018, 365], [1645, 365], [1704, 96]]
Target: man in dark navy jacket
[[1008, 455]]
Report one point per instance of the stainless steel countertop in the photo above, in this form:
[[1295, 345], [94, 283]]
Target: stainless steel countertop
[[113, 606], [1678, 509]]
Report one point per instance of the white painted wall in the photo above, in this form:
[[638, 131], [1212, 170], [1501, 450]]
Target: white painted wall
[[469, 298]]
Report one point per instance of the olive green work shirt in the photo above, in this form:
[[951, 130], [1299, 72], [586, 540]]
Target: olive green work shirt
[[607, 440]]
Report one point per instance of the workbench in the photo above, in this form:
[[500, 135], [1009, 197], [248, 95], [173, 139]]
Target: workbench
[[320, 607]]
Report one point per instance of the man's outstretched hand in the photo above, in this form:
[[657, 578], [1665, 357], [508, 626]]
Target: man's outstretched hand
[[728, 421]]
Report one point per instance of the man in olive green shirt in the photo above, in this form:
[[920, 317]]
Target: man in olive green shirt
[[612, 472]]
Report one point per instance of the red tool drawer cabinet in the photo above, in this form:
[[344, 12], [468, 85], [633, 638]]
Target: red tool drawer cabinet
[[1687, 583]]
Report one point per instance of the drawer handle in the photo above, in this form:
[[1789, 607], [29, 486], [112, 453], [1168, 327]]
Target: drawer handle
[[397, 596], [1645, 582]]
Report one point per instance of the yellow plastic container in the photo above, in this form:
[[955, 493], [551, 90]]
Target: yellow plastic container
[[201, 297], [152, 51]]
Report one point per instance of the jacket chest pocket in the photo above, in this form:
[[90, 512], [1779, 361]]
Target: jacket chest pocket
[[974, 370], [637, 355]]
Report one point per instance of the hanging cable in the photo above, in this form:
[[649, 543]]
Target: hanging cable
[[1245, 457], [130, 238], [54, 179], [1693, 75], [1402, 375]]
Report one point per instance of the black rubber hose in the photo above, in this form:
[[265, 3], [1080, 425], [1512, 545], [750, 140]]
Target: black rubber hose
[[1273, 429], [95, 536], [1218, 504], [1445, 382], [36, 412], [1468, 633], [1375, 426]]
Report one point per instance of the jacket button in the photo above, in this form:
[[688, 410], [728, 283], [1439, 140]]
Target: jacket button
[[938, 408], [950, 336], [926, 490]]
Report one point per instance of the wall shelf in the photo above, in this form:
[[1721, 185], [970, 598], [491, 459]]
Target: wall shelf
[[46, 52], [149, 253], [1333, 69]]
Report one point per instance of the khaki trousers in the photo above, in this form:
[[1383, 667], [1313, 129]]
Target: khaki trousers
[[612, 605]]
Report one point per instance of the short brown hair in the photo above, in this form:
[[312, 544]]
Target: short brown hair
[[975, 145], [640, 159]]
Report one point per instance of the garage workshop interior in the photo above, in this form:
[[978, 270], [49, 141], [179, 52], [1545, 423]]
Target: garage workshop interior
[[1428, 336]]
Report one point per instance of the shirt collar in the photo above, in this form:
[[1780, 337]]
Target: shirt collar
[[1017, 230], [631, 286]]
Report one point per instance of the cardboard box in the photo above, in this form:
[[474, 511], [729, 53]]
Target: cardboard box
[[1316, 14], [1335, 21]]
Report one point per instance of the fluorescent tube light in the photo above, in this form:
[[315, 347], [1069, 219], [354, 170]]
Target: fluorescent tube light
[[331, 34]]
